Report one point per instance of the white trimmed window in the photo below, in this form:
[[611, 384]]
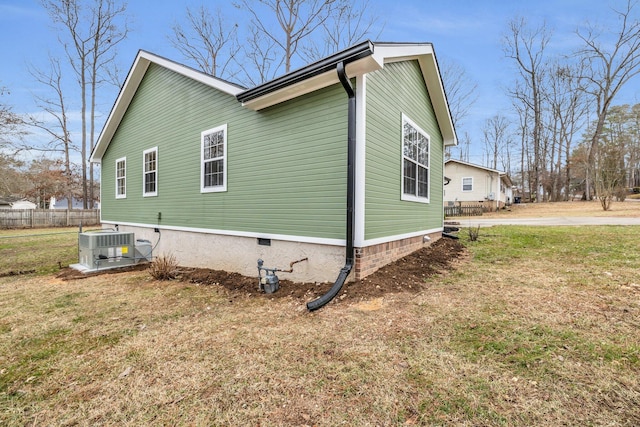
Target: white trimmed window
[[150, 168], [467, 184], [415, 162], [213, 176], [121, 178]]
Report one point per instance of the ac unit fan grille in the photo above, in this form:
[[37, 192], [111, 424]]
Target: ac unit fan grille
[[106, 240]]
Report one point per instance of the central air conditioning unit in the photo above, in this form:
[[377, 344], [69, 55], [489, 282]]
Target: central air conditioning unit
[[108, 249]]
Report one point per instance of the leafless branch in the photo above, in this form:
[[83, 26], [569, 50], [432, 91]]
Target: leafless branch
[[208, 40]]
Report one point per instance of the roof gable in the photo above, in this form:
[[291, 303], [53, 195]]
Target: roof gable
[[131, 84], [359, 60], [501, 174], [426, 57]]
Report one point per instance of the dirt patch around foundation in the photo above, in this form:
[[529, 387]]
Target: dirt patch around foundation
[[407, 274]]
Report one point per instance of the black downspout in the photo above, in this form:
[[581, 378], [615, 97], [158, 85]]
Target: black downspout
[[351, 192]]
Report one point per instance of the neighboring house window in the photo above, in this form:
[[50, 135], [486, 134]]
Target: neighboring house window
[[150, 180], [467, 184], [213, 175], [121, 178], [415, 162]]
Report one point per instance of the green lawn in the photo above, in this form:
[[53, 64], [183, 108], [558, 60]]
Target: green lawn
[[37, 250]]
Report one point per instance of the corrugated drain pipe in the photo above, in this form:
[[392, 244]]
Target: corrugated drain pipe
[[351, 187]]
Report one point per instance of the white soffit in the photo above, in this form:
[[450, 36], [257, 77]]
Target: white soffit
[[356, 68]]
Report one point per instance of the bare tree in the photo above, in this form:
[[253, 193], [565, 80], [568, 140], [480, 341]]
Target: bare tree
[[107, 32], [12, 130], [460, 88], [461, 96], [297, 21], [525, 158], [527, 48], [349, 23], [634, 149], [306, 30], [12, 125], [612, 63], [465, 144], [497, 141], [68, 14], [610, 172], [616, 155], [208, 40], [568, 112], [92, 33], [56, 109], [261, 59]]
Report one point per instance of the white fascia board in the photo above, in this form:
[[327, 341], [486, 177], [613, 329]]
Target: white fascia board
[[395, 52], [474, 166], [206, 79], [131, 84], [438, 99]]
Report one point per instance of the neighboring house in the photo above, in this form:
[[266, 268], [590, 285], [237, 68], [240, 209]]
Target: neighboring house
[[473, 184], [23, 204], [63, 204], [227, 175]]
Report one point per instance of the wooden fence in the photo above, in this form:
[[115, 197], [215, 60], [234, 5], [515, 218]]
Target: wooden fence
[[40, 218], [469, 210]]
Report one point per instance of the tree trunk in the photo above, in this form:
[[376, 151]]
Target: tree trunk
[[83, 90]]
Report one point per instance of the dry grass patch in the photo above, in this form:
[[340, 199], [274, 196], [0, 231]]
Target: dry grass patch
[[528, 330], [629, 208]]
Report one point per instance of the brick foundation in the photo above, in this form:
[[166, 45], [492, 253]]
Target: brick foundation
[[371, 258]]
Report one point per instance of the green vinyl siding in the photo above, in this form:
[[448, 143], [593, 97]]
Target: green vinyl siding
[[395, 90], [286, 164]]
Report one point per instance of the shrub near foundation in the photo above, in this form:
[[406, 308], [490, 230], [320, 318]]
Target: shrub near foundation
[[164, 267]]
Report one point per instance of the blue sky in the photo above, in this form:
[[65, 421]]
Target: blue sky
[[467, 32]]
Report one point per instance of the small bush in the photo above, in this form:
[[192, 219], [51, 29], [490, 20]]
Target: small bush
[[164, 268], [474, 233]]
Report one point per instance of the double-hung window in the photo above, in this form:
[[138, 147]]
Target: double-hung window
[[213, 176], [121, 178], [150, 168], [467, 184], [415, 162]]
